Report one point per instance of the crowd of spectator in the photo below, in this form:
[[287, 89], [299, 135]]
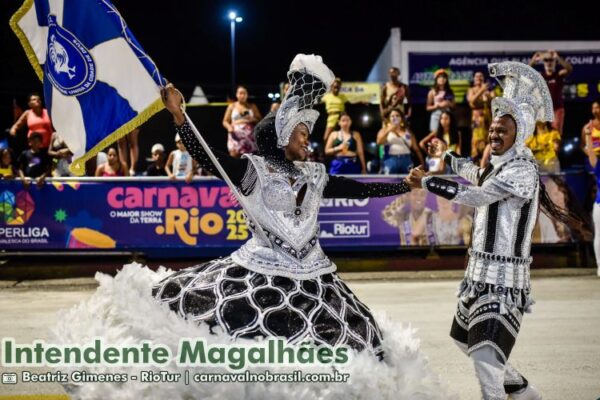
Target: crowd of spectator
[[397, 148]]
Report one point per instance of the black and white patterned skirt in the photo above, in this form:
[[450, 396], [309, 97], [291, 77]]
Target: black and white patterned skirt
[[485, 320], [248, 304]]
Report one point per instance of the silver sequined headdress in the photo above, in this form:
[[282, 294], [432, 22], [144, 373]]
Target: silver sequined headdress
[[309, 80], [526, 97]]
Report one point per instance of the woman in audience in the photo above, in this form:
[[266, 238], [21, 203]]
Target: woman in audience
[[347, 147], [545, 144], [239, 120], [61, 156], [479, 97], [335, 106], [440, 98], [7, 169], [593, 158], [37, 120], [401, 142], [113, 165], [445, 131]]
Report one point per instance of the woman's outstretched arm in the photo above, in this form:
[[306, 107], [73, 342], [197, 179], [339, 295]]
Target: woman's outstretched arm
[[235, 168], [340, 187]]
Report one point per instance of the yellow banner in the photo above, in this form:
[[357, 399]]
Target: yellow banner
[[361, 92]]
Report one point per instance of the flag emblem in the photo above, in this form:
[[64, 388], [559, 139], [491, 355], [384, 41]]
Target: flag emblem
[[69, 67]]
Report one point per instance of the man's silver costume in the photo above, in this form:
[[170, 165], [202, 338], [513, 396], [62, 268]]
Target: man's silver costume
[[496, 289]]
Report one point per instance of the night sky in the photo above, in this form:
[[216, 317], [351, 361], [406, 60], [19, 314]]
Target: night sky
[[189, 40]]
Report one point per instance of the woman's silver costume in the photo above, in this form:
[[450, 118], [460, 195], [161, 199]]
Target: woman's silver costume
[[280, 283]]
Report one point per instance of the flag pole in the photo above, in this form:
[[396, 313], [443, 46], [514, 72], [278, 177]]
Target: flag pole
[[259, 230]]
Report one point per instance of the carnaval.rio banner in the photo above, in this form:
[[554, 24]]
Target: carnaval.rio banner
[[583, 84], [164, 217]]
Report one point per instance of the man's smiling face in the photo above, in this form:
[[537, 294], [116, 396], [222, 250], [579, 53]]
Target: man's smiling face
[[502, 134]]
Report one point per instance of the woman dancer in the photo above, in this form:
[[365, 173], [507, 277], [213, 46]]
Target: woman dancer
[[278, 284]]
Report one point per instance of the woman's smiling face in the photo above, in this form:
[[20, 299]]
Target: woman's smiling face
[[297, 148]]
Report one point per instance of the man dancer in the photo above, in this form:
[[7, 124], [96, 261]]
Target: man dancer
[[506, 196]]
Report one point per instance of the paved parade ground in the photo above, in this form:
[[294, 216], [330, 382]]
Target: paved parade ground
[[558, 348]]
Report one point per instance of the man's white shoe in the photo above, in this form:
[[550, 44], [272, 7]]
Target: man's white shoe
[[529, 393]]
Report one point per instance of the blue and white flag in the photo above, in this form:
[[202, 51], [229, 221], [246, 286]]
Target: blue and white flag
[[99, 84]]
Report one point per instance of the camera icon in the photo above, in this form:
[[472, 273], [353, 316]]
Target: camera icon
[[9, 378]]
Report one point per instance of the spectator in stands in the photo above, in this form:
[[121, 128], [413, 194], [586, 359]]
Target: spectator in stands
[[7, 169], [34, 162], [37, 120], [335, 105], [545, 145], [113, 166], [479, 97], [446, 131], [394, 96], [435, 160], [239, 120], [157, 167], [397, 135], [593, 159], [479, 137], [129, 146], [347, 147], [61, 156], [440, 98], [556, 81], [180, 164], [592, 128]]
